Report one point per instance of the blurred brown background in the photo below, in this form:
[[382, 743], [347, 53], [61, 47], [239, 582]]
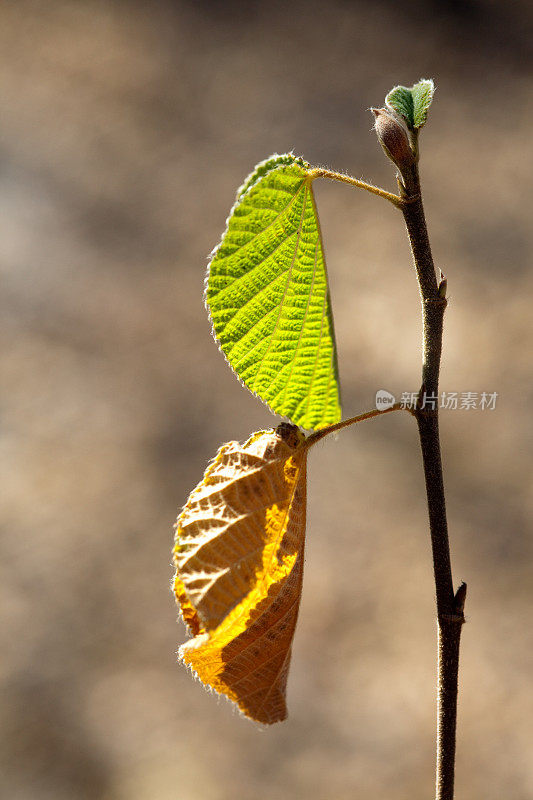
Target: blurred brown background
[[125, 130]]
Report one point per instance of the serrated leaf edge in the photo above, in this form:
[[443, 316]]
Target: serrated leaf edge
[[276, 159]]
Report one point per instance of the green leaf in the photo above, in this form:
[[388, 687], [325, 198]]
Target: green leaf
[[400, 100], [268, 298], [412, 103], [422, 92]]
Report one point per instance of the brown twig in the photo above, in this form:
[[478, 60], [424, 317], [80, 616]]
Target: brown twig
[[449, 605]]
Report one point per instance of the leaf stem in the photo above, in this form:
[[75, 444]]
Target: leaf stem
[[449, 605], [318, 435], [320, 172]]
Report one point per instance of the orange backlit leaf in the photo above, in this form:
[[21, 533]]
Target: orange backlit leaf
[[239, 563]]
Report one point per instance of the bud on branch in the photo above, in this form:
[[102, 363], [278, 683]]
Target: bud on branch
[[393, 136]]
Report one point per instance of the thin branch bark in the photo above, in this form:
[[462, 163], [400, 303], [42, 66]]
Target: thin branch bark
[[449, 605]]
